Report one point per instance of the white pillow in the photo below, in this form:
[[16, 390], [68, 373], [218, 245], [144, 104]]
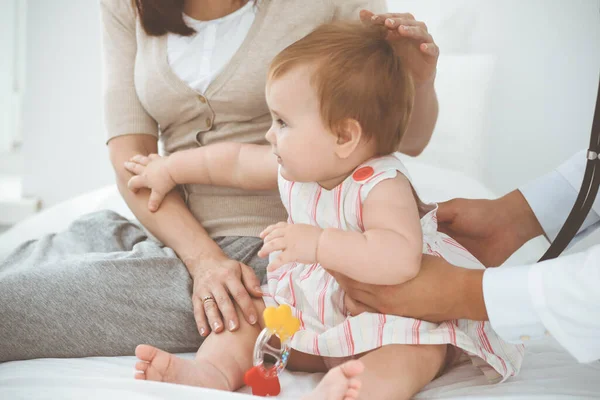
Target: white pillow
[[461, 84]]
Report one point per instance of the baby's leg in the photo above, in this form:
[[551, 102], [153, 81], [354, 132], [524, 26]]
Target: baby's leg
[[220, 363], [399, 371]]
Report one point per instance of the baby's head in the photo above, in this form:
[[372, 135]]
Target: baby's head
[[338, 97]]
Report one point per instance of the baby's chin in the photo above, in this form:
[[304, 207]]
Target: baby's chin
[[287, 175], [292, 176]]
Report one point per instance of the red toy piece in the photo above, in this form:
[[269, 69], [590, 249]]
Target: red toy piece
[[261, 385]]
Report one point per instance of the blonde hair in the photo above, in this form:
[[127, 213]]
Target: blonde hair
[[357, 76]]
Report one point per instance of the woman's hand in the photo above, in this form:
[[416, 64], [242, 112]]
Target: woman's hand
[[150, 172], [492, 230], [296, 242], [421, 53], [218, 283]]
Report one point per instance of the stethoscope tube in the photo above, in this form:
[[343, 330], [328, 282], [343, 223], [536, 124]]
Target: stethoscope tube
[[587, 193]]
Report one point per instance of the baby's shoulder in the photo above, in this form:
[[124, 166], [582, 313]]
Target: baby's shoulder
[[379, 168]]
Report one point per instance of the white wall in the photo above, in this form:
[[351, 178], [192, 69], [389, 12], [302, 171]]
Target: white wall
[[7, 73], [540, 99], [63, 134], [540, 102]]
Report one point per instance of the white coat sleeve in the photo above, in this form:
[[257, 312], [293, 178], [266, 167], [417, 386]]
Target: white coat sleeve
[[560, 297]]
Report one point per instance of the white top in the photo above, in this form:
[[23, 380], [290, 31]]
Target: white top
[[560, 297], [199, 58]]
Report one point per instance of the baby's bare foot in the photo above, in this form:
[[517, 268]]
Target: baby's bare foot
[[158, 365], [341, 383]]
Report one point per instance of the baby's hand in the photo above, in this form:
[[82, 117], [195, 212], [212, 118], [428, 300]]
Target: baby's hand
[[297, 243], [150, 172]]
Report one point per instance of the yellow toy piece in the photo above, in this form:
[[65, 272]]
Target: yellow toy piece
[[281, 321]]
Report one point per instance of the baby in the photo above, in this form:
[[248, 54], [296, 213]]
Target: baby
[[340, 100]]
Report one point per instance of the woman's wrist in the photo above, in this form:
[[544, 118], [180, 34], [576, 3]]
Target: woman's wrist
[[205, 251]]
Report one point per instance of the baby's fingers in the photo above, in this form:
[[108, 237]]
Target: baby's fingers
[[134, 167], [141, 159], [271, 246], [271, 228], [155, 200], [278, 262], [136, 183]]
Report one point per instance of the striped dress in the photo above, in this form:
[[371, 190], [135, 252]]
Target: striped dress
[[318, 301]]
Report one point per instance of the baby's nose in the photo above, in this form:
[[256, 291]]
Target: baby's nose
[[270, 136]]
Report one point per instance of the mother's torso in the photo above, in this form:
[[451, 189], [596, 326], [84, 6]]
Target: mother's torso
[[233, 107]]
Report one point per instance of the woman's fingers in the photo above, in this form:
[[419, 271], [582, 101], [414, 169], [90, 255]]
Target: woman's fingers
[[213, 315], [226, 308], [250, 280], [405, 25], [415, 32], [394, 23], [430, 49], [368, 16], [200, 316], [244, 301]]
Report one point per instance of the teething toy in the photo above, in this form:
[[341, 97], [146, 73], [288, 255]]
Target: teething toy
[[281, 323]]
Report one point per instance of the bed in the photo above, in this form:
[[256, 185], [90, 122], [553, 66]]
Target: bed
[[548, 371]]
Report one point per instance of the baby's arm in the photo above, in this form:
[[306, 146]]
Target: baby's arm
[[244, 166], [389, 251]]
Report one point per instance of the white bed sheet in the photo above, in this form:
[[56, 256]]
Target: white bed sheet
[[548, 371]]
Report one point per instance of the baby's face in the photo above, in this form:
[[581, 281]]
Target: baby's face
[[304, 147]]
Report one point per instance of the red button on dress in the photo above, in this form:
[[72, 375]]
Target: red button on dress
[[362, 174]]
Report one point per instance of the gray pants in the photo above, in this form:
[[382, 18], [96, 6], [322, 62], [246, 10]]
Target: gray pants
[[99, 289]]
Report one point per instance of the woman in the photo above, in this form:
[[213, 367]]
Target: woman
[[183, 74]]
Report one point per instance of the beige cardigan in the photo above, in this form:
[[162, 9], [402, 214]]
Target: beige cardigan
[[142, 95]]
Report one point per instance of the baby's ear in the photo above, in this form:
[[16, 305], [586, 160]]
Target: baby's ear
[[349, 134]]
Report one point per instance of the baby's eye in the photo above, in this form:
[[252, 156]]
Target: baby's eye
[[281, 123]]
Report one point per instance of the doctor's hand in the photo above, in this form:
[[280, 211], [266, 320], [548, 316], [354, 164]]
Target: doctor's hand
[[440, 292], [421, 55], [492, 230]]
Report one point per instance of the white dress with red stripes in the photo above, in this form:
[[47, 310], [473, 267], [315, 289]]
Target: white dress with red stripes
[[318, 301]]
